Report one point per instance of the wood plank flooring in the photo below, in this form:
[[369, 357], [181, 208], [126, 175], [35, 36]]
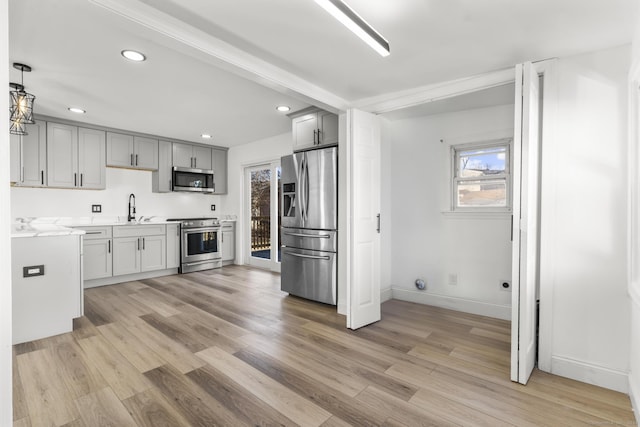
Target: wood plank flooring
[[225, 347]]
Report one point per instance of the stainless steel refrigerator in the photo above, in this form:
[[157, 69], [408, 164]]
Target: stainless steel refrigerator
[[309, 224]]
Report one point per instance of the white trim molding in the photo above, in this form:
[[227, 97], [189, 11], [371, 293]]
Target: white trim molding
[[453, 303], [590, 373], [386, 294]]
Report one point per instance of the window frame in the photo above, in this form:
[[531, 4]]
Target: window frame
[[455, 179]]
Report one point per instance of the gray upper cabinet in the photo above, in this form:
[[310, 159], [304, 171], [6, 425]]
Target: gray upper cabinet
[[92, 159], [191, 156], [314, 128], [127, 151], [62, 155], [161, 178], [145, 152], [15, 153], [220, 171], [75, 157], [29, 156]]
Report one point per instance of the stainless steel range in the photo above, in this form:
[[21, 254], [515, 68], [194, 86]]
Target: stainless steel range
[[199, 244]]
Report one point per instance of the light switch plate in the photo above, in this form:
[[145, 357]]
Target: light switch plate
[[213, 207]]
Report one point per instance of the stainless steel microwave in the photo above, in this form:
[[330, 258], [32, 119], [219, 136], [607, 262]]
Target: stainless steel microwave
[[193, 180]]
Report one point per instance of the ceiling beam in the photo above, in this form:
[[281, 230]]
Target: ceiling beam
[[225, 55]]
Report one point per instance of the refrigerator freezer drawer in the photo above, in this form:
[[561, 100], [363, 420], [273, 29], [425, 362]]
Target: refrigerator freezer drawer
[[316, 240], [309, 274]]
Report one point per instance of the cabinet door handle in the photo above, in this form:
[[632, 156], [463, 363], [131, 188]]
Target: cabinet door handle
[[75, 179], [378, 227], [318, 136], [22, 174], [138, 243], [81, 176], [42, 177], [131, 159], [136, 160], [143, 245], [195, 162], [314, 136], [109, 250]]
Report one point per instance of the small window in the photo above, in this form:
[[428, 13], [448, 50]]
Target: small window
[[481, 176]]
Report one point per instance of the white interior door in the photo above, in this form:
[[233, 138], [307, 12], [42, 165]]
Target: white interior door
[[262, 213], [525, 224], [363, 147]]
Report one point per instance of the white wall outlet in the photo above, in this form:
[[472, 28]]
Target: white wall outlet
[[453, 279], [505, 285]]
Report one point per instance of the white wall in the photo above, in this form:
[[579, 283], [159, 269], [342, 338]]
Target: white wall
[[6, 411], [634, 175], [584, 220], [427, 244], [239, 157], [30, 202]]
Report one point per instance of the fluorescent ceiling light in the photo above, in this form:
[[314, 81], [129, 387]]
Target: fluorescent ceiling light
[[132, 55], [283, 108], [206, 136], [355, 23], [76, 110]]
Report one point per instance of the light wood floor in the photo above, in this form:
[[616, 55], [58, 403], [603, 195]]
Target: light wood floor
[[226, 347]]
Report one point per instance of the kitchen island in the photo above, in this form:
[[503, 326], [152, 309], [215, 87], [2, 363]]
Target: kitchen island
[[47, 291]]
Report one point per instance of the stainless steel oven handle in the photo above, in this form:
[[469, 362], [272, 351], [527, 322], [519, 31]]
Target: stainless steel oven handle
[[197, 230], [324, 257], [312, 236]]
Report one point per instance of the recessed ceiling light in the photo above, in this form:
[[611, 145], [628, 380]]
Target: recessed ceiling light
[[76, 110], [132, 55], [283, 108], [206, 136]]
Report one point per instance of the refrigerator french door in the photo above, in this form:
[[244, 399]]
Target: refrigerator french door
[[309, 224]]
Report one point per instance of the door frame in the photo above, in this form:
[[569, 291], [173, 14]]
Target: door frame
[[272, 264], [548, 163]]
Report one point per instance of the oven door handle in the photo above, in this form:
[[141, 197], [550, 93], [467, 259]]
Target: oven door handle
[[197, 230]]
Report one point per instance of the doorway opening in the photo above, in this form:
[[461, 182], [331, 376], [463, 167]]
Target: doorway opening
[[262, 213], [467, 258]]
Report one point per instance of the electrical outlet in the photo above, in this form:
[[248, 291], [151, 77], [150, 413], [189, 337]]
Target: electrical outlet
[[213, 207], [453, 279], [505, 285], [96, 208]]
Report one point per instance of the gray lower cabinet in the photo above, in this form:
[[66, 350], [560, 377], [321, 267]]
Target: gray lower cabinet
[[220, 171], [139, 248], [29, 156], [228, 242], [173, 245], [98, 260], [130, 151]]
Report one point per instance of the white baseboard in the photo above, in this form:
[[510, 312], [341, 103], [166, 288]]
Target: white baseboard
[[590, 373], [386, 294], [634, 395], [453, 303]]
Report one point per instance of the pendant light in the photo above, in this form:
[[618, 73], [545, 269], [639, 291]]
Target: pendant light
[[21, 109]]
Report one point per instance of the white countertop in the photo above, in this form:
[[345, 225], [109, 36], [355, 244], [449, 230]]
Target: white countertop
[[41, 230], [61, 226]]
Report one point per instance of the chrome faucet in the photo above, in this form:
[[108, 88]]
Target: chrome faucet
[[132, 208]]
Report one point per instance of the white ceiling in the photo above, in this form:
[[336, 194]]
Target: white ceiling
[[182, 90]]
